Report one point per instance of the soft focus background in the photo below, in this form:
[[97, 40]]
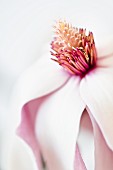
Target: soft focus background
[[25, 32]]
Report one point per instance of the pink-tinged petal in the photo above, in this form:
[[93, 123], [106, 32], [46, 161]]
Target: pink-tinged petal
[[40, 79], [57, 125], [85, 141], [26, 130], [103, 154], [79, 164], [96, 90]]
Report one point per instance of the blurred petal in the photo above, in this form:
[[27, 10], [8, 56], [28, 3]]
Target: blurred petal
[[105, 48], [19, 151], [57, 126], [97, 92], [103, 154]]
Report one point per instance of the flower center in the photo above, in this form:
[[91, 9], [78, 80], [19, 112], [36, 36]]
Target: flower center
[[73, 49]]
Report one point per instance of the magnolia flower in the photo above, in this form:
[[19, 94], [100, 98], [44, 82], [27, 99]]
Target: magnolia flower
[[68, 119]]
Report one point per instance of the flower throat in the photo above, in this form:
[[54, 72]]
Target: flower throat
[[73, 49]]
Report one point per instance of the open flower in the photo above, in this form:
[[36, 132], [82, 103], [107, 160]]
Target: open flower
[[69, 103]]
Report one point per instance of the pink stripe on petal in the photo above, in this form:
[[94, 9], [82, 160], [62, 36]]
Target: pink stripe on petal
[[26, 130]]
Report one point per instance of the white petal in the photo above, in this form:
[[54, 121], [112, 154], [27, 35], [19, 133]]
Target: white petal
[[21, 156], [57, 126], [16, 154], [42, 78], [97, 92]]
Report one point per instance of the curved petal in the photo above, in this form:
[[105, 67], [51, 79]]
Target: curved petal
[[103, 154], [57, 126], [40, 79], [97, 156], [97, 91], [19, 151], [26, 129], [100, 152]]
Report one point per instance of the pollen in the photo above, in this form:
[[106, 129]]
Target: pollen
[[73, 48]]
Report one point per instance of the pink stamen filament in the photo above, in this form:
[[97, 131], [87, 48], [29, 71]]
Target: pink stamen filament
[[73, 49]]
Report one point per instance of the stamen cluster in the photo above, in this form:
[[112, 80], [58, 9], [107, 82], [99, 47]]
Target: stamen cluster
[[73, 49]]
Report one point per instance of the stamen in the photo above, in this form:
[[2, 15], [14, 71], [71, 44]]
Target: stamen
[[73, 49]]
